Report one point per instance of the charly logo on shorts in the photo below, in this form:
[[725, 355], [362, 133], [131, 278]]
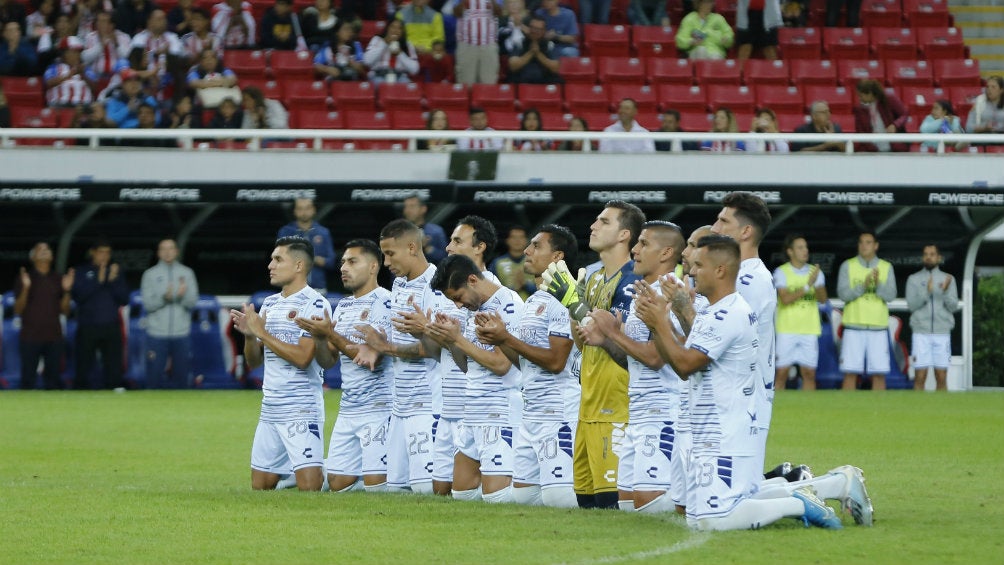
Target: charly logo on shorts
[[291, 315]]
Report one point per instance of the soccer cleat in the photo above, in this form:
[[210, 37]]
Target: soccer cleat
[[799, 473], [855, 499], [817, 512], [781, 470]]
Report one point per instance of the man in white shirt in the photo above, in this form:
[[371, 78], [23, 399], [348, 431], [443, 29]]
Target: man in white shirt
[[479, 122], [626, 112]]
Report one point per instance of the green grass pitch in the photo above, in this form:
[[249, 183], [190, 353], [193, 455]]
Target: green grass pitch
[[162, 477]]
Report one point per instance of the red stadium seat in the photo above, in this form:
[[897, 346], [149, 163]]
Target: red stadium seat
[[682, 97], [441, 95], [651, 121], [962, 98], [726, 71], [24, 91], [503, 120], [643, 95], [949, 72], [853, 71], [806, 72], [606, 40], [788, 121], [408, 119], [927, 13], [920, 98], [799, 43], [294, 64], [595, 119], [311, 94], [586, 97], [654, 41], [695, 120], [541, 96], [270, 88], [780, 98], [34, 118], [577, 70], [371, 28], [846, 43], [553, 120], [361, 119], [760, 72], [245, 63], [318, 119], [941, 43], [627, 70], [909, 73], [893, 43], [494, 96], [669, 71], [400, 96], [839, 98], [351, 95], [881, 13], [736, 98], [844, 120]]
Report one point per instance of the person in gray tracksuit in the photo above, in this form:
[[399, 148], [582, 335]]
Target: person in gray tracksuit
[[933, 299], [170, 292]]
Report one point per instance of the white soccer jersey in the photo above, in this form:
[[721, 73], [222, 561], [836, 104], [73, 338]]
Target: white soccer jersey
[[364, 391], [653, 395], [487, 394], [543, 391], [454, 380], [290, 393], [416, 383], [723, 395], [756, 286]]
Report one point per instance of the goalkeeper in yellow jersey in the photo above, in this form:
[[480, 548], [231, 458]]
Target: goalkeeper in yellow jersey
[[603, 412]]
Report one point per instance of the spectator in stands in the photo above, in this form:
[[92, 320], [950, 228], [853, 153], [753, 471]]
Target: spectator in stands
[[4, 110], [87, 13], [306, 227], [800, 287], [577, 123], [438, 65], [157, 54], [626, 112], [170, 292], [765, 121], [594, 11], [280, 28], [124, 101], [509, 266], [106, 49], [183, 115], [477, 41], [436, 121], [942, 119], [261, 112], [933, 300], [200, 37], [319, 23], [17, 56], [833, 12], [92, 116], [756, 28], [536, 62], [12, 11], [879, 112], [228, 115], [724, 122], [414, 210], [866, 284], [67, 84], [147, 117], [514, 26], [41, 296], [343, 58], [99, 289], [479, 122], [234, 22], [671, 124], [703, 34], [648, 13], [210, 80], [131, 16], [987, 114], [561, 26], [531, 121], [179, 18], [48, 45], [42, 20], [423, 24], [390, 56], [820, 123]]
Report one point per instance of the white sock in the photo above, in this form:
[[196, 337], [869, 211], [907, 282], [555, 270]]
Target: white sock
[[422, 487], [472, 494], [356, 486], [664, 503], [625, 505], [382, 487], [559, 497], [831, 486], [772, 482], [499, 496], [325, 487], [751, 514], [395, 489], [529, 496], [286, 481]]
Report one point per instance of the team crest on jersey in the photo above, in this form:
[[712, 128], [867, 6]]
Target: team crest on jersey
[[291, 315], [540, 309], [318, 239], [411, 299], [364, 315]]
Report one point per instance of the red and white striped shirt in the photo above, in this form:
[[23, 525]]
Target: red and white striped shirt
[[70, 92], [167, 42], [102, 57], [478, 25], [225, 24], [480, 143], [194, 45]]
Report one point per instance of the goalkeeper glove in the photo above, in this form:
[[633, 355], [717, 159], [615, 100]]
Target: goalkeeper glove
[[559, 283]]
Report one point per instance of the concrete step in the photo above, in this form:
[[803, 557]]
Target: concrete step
[[968, 14], [974, 30], [957, 3]]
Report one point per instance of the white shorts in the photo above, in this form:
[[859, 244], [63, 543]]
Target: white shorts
[[865, 350], [721, 482], [358, 445], [931, 350], [409, 450], [281, 447], [679, 477], [489, 445], [797, 349], [646, 458], [444, 449], [542, 454]]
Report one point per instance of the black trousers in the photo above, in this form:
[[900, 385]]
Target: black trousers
[[52, 353], [106, 338]]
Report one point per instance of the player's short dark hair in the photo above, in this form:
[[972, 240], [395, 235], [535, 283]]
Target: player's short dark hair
[[562, 239], [717, 243], [790, 239], [368, 247], [399, 228], [937, 248], [750, 209], [631, 218], [453, 272], [298, 245], [484, 232], [868, 231], [672, 234]]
